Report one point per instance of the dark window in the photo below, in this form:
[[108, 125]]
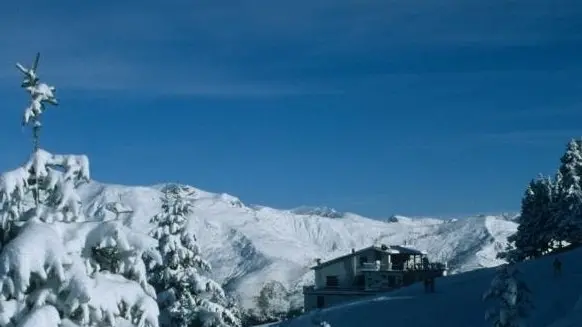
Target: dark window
[[392, 281], [331, 281], [320, 301], [359, 281], [363, 259], [378, 256]]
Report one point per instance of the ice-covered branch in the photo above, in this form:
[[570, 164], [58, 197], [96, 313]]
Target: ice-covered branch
[[40, 93]]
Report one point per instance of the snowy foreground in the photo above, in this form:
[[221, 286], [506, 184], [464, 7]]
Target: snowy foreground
[[248, 246], [457, 302]]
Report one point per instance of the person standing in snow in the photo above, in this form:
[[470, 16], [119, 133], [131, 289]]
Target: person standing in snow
[[426, 284], [429, 285], [557, 267]]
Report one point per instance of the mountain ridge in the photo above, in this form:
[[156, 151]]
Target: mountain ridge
[[250, 245]]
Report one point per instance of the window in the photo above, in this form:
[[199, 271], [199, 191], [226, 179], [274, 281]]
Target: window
[[359, 281], [391, 281], [331, 281], [378, 256], [363, 260], [320, 301], [398, 281]]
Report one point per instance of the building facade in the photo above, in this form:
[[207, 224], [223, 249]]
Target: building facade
[[367, 272]]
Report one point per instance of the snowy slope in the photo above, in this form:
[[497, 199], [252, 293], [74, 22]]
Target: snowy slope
[[457, 301], [250, 245]]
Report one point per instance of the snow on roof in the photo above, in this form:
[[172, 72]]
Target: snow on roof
[[404, 250], [390, 249]]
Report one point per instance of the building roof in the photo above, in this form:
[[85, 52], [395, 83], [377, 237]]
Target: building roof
[[390, 249]]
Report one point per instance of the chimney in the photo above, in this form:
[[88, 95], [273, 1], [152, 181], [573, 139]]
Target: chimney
[[318, 261], [353, 250]]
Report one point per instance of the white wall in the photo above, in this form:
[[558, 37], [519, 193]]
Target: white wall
[[338, 269]]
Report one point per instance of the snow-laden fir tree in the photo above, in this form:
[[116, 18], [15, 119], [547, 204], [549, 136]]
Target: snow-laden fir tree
[[569, 209], [186, 295], [535, 233], [49, 275], [510, 298], [555, 210]]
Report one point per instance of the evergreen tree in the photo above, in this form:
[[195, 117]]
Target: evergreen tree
[[544, 225], [186, 296], [511, 298], [555, 211], [49, 276], [534, 234], [569, 209]]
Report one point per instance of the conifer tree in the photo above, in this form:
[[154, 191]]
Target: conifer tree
[[534, 234], [542, 224], [186, 296], [569, 208], [44, 276], [510, 297], [555, 210]]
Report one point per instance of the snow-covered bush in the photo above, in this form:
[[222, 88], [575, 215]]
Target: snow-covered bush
[[273, 302], [50, 262], [186, 295], [317, 320], [510, 297]]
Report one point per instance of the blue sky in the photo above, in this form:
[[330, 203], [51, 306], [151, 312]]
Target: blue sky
[[431, 107]]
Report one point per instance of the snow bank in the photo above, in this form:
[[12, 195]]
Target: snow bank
[[458, 300]]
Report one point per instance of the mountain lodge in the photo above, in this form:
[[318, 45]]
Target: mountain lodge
[[367, 272]]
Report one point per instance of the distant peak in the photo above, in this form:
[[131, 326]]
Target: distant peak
[[393, 219], [184, 190], [318, 211], [233, 201]]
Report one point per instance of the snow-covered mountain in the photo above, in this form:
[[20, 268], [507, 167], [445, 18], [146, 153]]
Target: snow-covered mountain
[[250, 245]]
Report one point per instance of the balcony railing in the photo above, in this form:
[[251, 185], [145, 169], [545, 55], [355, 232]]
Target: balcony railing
[[376, 266]]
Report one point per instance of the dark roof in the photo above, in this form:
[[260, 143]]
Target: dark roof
[[391, 249]]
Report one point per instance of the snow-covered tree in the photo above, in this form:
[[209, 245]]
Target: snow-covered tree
[[186, 295], [49, 275], [318, 321], [49, 265], [535, 232], [569, 208], [273, 302], [510, 297], [555, 210]]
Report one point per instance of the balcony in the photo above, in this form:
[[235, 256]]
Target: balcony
[[377, 266]]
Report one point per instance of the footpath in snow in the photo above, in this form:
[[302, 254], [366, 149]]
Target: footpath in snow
[[458, 300]]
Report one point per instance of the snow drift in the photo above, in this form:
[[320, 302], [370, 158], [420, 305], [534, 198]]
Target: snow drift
[[458, 300]]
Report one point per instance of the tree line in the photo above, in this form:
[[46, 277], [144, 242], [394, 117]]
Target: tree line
[[551, 210]]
